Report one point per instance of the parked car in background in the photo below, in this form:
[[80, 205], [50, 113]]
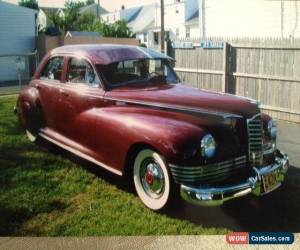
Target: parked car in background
[[124, 109]]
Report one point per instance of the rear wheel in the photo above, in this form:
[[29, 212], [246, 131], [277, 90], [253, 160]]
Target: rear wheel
[[31, 120], [152, 180]]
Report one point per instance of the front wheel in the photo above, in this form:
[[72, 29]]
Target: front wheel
[[152, 180]]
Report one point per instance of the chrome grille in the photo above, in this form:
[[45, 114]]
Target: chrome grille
[[211, 172], [255, 140]]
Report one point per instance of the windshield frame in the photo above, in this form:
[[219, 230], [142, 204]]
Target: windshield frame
[[144, 81]]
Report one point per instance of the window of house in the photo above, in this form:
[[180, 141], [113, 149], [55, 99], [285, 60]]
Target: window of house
[[177, 32], [53, 69], [107, 18], [188, 32], [176, 10], [156, 38], [145, 37], [81, 71]]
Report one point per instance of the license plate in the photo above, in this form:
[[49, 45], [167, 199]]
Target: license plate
[[269, 181]]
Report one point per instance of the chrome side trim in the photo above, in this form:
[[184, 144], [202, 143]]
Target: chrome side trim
[[176, 108], [82, 155], [214, 196]]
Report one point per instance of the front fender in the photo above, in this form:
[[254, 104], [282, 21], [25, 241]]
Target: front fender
[[175, 139]]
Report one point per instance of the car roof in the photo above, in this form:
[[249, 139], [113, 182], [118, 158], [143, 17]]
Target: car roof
[[110, 53]]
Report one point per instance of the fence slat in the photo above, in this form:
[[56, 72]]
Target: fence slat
[[265, 69]]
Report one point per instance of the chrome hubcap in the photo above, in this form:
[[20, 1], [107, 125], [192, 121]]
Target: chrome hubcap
[[152, 178]]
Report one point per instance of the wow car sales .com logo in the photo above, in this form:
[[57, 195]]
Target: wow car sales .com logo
[[260, 238]]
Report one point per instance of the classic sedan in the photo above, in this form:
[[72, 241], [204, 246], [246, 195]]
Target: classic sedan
[[124, 109]]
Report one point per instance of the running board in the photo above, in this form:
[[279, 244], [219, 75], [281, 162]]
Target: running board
[[80, 154]]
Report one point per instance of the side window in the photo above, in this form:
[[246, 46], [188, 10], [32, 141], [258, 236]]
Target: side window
[[53, 69], [81, 71]]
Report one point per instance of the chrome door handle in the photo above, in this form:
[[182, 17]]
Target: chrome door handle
[[63, 92], [37, 86]]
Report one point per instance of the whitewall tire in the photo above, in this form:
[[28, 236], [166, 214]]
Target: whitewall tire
[[31, 137], [151, 179]]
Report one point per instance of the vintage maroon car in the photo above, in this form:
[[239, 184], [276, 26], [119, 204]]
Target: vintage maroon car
[[124, 109]]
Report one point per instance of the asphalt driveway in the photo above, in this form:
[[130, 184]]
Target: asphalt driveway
[[289, 141]]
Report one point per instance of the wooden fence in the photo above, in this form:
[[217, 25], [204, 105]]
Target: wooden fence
[[264, 69]]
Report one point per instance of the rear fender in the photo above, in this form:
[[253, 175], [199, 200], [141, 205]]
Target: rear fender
[[29, 109]]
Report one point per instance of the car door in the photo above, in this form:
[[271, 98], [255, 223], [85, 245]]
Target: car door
[[79, 94], [47, 85]]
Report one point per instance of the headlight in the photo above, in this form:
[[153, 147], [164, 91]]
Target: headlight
[[272, 129], [208, 146]]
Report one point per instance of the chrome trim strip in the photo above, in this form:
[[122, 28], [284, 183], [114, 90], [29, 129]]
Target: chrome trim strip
[[176, 108], [214, 196], [214, 171], [269, 151], [82, 155], [255, 140]]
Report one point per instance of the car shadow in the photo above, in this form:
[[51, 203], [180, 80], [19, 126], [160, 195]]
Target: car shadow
[[277, 211]]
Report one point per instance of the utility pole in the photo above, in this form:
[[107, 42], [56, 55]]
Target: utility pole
[[162, 27], [98, 5]]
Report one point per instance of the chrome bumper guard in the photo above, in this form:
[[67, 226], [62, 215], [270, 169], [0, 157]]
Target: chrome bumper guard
[[215, 196]]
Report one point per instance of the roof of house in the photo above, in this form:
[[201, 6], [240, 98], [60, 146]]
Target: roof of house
[[11, 5], [193, 19], [110, 53], [51, 9], [92, 8], [130, 14], [82, 33], [144, 13]]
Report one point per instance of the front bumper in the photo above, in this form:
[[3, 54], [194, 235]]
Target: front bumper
[[214, 196]]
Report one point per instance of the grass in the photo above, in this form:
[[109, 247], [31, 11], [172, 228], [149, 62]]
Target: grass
[[50, 195]]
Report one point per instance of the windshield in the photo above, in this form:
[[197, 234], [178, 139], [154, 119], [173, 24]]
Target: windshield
[[138, 71]]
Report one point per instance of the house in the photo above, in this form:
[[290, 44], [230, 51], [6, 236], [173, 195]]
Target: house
[[122, 14], [18, 31], [93, 9], [192, 29], [250, 18], [142, 28], [140, 19], [43, 19], [82, 33], [42, 16], [181, 20]]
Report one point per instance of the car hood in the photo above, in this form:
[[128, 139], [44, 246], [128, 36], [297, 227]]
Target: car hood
[[185, 98]]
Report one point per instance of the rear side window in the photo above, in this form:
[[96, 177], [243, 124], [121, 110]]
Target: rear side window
[[81, 71], [53, 69]]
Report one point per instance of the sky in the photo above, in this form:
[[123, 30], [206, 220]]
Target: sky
[[109, 5]]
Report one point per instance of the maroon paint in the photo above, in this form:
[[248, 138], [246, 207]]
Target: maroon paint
[[107, 124]]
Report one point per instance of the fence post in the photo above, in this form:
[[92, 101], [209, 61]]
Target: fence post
[[225, 68]]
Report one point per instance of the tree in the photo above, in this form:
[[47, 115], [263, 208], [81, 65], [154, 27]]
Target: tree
[[89, 2], [120, 29], [32, 4], [72, 20], [87, 22], [73, 5]]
